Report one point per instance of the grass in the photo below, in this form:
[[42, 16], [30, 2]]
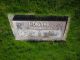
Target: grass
[[11, 49]]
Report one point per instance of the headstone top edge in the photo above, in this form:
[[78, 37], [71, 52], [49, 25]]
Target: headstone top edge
[[40, 18]]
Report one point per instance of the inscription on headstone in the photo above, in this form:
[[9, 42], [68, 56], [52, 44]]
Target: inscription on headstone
[[30, 27]]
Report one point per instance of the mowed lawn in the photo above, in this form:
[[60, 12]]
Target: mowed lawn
[[11, 49]]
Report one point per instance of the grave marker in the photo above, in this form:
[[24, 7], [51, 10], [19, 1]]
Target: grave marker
[[40, 28]]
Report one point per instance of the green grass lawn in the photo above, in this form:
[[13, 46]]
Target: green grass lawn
[[10, 49]]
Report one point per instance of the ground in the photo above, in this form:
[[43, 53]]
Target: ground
[[11, 49]]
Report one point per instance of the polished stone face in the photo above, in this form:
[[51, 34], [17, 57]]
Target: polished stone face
[[39, 30]]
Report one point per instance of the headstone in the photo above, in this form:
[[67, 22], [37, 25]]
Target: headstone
[[39, 28]]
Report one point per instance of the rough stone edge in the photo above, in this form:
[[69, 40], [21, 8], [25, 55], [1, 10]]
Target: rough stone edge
[[10, 17], [67, 29]]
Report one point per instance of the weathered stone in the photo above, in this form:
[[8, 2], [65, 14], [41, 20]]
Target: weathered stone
[[30, 27]]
